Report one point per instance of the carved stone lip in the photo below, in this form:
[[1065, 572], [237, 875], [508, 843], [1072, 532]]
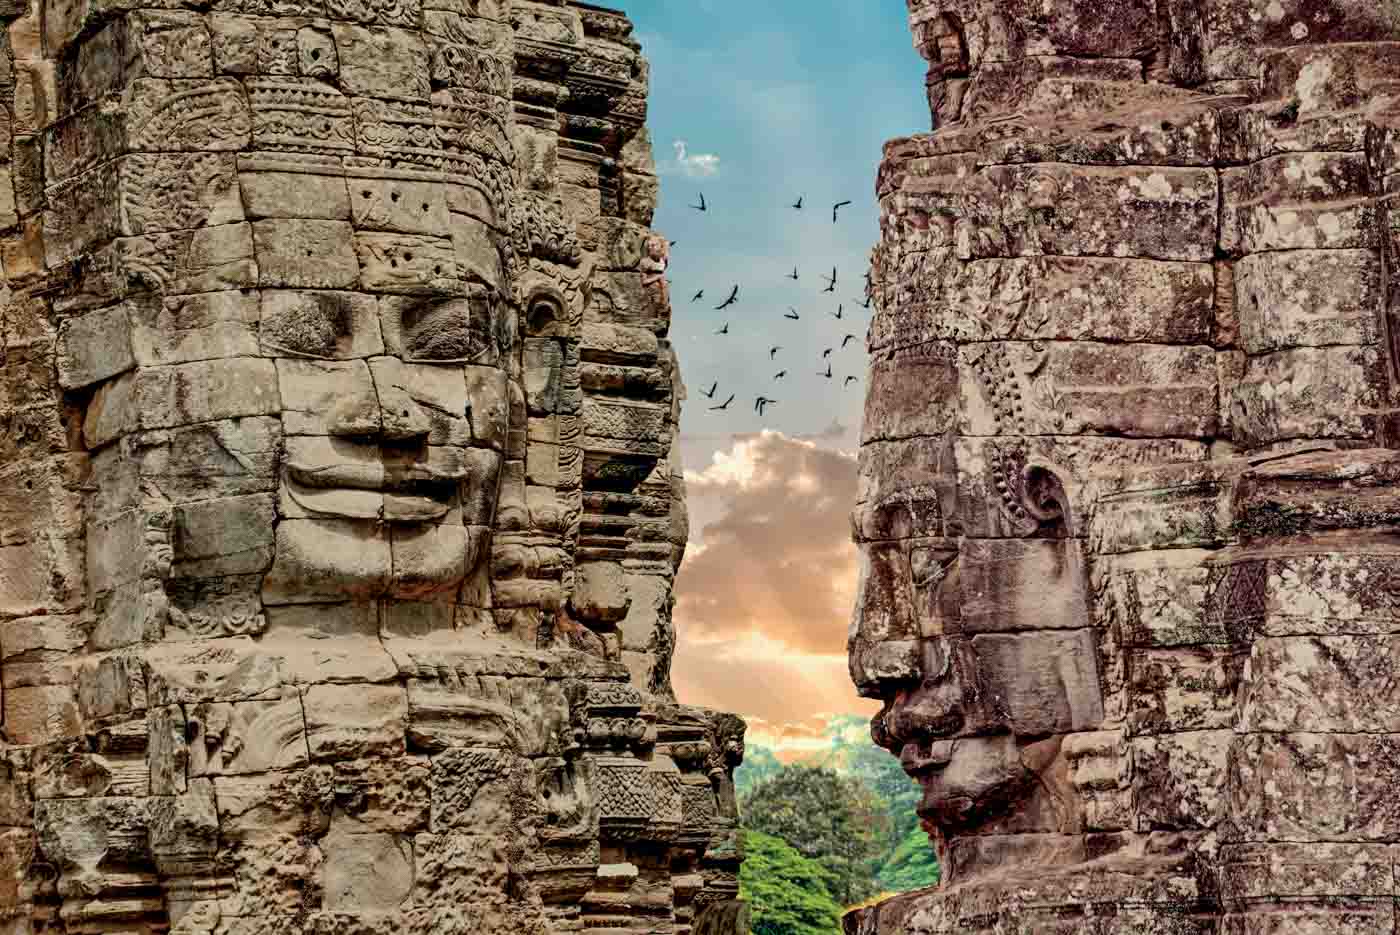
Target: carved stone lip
[[919, 761], [412, 479], [416, 494]]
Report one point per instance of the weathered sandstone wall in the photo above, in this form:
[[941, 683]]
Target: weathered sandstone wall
[[338, 514], [1128, 508]]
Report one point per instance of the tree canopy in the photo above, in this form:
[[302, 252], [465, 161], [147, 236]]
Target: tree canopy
[[788, 894], [826, 817]]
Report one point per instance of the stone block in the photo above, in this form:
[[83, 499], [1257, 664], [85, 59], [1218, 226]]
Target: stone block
[[308, 188], [1307, 298], [367, 871], [1050, 679], [382, 62], [1080, 388], [913, 392], [393, 204], [225, 536], [350, 721], [239, 738], [182, 394], [1308, 392], [94, 347], [412, 264], [1131, 211], [1183, 688], [1010, 585], [1297, 201], [1292, 685], [319, 323], [1288, 787], [205, 326], [328, 397], [41, 714], [310, 254], [327, 560]]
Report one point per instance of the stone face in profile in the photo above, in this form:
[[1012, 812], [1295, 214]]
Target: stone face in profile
[[1125, 509], [340, 513]]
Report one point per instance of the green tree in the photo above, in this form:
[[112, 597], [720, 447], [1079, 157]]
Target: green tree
[[788, 894], [829, 818], [910, 866], [908, 861], [759, 764]]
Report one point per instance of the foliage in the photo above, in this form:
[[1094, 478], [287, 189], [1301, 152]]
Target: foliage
[[879, 770], [759, 764], [800, 804], [832, 819], [788, 894], [910, 865]]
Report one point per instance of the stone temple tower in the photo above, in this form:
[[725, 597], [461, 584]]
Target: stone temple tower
[[338, 509], [1128, 501]]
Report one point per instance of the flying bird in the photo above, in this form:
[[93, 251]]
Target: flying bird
[[828, 371], [698, 296], [798, 203], [848, 381], [724, 330], [793, 274], [725, 404], [847, 339], [711, 391], [780, 374], [837, 207], [671, 243], [826, 353], [831, 283], [701, 206], [792, 313], [773, 351], [762, 401], [729, 301], [837, 313], [866, 303]]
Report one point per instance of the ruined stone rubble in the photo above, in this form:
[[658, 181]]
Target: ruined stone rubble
[[1128, 501], [339, 511]]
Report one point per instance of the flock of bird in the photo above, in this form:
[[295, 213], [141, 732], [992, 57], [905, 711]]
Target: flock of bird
[[761, 402]]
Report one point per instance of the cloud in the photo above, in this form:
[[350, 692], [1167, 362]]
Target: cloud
[[693, 165], [786, 696], [777, 562]]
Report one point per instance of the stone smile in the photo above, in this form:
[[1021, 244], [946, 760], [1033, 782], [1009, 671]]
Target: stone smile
[[412, 493]]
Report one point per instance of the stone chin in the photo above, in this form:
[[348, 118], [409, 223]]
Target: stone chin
[[967, 782]]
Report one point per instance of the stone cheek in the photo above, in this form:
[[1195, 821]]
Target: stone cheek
[[340, 518], [1133, 385]]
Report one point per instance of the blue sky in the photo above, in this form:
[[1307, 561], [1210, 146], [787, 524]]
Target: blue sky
[[772, 99], [793, 98]]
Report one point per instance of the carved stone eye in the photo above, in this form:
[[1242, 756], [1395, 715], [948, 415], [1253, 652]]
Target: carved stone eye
[[447, 330], [314, 326]]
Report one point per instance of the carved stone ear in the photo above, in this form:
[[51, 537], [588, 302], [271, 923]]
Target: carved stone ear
[[1044, 498], [545, 313]]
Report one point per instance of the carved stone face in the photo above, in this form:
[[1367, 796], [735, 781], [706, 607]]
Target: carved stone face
[[979, 647], [1130, 411], [388, 488]]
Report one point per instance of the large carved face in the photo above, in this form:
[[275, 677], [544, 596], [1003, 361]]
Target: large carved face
[[388, 488], [971, 624], [1131, 329]]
